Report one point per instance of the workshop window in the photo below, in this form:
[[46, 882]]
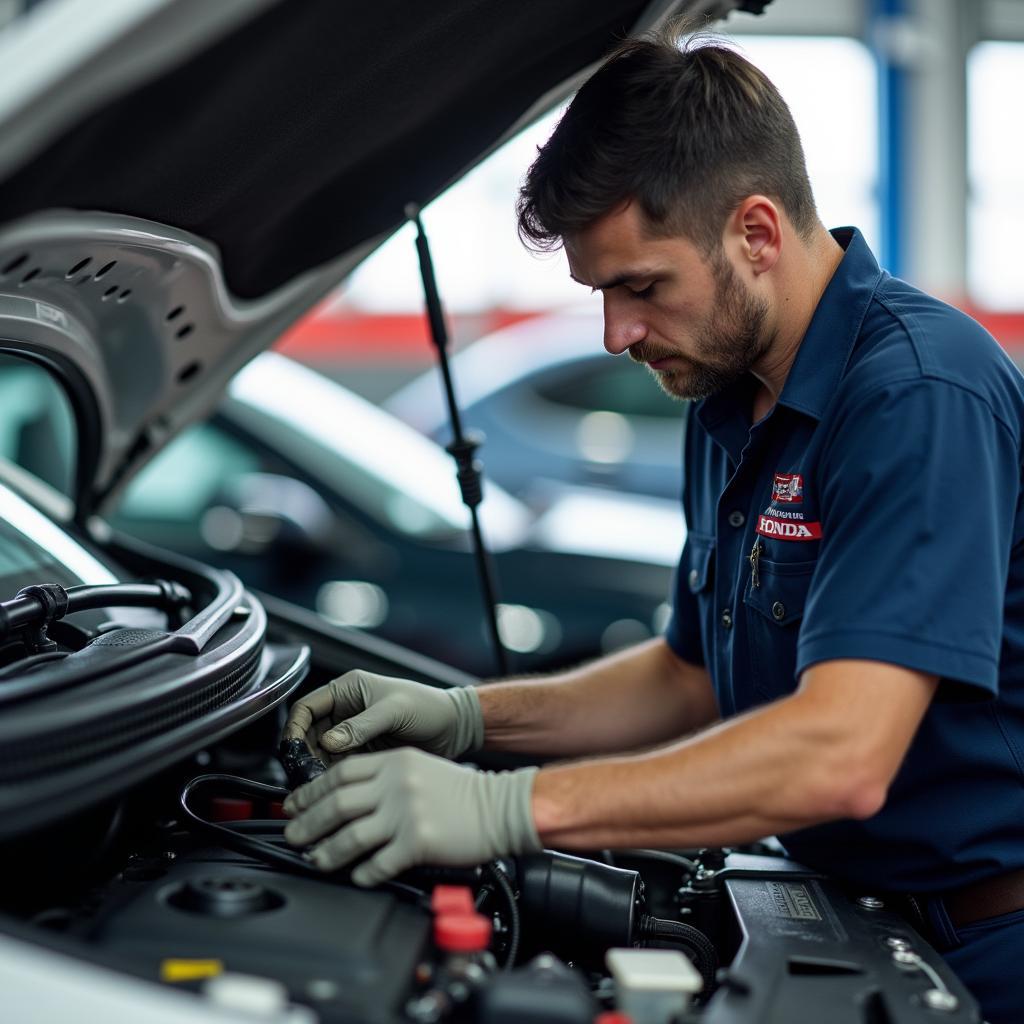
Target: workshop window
[[995, 161], [837, 119]]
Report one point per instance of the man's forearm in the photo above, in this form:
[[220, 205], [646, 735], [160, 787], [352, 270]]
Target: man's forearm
[[634, 698], [737, 782], [830, 751]]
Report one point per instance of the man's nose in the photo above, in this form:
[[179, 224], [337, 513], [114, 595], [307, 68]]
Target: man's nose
[[621, 329]]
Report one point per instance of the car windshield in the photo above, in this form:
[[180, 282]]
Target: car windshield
[[34, 549], [37, 429], [37, 457], [376, 461]]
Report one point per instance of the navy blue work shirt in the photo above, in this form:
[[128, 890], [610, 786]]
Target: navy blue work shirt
[[883, 491]]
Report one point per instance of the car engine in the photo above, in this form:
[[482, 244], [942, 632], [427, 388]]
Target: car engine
[[651, 937], [150, 880]]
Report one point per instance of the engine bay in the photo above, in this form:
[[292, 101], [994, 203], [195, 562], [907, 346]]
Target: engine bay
[[646, 936], [155, 869]]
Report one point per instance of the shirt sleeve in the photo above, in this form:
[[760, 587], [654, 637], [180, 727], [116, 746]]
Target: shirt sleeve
[[918, 483], [692, 575]]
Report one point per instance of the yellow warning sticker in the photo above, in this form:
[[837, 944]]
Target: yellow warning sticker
[[190, 970]]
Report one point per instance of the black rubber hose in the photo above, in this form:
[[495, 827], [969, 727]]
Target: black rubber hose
[[694, 941], [40, 604], [504, 883], [665, 856], [260, 849]]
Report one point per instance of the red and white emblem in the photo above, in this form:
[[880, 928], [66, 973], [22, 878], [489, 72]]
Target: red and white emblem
[[788, 488], [781, 520], [787, 529]]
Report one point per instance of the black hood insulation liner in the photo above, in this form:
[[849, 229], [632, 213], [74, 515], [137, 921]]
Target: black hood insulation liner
[[302, 134]]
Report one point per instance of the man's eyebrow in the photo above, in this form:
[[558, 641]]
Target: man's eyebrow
[[623, 278]]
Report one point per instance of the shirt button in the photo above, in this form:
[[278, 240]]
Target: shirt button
[[726, 619], [778, 611], [737, 518], [694, 580]]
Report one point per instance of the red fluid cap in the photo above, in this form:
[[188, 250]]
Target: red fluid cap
[[462, 933], [452, 899], [613, 1017], [227, 808]]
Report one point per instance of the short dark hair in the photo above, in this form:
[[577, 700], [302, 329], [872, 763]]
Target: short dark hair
[[687, 131]]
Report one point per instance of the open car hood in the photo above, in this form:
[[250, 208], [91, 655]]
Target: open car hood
[[181, 180]]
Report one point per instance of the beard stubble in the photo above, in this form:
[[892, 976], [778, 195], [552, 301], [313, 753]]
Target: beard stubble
[[729, 342]]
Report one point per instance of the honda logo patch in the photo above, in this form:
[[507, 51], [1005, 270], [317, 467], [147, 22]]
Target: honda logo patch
[[787, 529]]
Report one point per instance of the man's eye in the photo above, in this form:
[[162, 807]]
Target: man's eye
[[643, 293]]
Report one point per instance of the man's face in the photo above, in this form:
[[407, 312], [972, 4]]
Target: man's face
[[688, 317]]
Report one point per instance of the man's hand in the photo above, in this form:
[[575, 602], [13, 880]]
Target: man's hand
[[412, 808], [361, 709]]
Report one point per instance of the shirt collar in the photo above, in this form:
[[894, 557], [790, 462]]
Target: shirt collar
[[826, 346], [825, 350]]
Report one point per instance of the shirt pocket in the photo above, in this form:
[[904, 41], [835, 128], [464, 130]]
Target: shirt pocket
[[774, 611], [701, 565]]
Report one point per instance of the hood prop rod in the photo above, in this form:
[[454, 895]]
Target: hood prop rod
[[463, 447]]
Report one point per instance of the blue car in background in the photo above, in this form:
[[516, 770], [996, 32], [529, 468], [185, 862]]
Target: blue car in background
[[556, 409], [313, 495]]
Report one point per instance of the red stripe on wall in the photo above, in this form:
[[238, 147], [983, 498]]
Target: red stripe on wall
[[350, 336]]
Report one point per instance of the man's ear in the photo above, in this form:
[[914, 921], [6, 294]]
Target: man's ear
[[754, 233]]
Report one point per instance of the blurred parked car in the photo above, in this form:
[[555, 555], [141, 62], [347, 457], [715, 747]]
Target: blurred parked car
[[311, 494], [556, 408]]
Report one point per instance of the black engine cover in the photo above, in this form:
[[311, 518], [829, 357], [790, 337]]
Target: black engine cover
[[811, 952], [352, 954]]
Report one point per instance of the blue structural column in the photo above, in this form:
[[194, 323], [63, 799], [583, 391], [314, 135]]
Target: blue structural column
[[887, 18]]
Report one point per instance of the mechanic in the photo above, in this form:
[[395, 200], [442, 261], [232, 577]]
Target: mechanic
[[844, 665]]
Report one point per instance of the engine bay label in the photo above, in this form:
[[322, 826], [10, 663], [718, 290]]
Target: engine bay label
[[793, 901]]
